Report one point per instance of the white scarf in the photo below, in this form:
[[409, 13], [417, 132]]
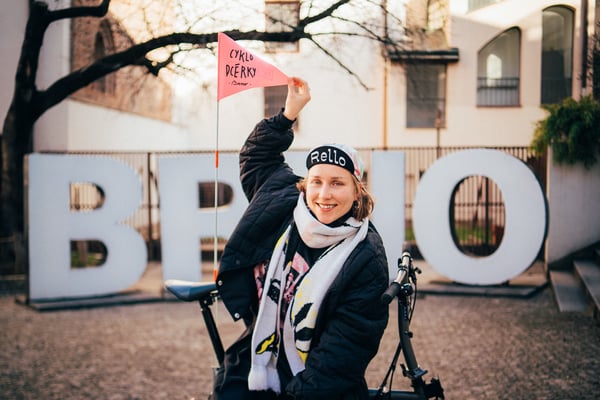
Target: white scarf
[[303, 309]]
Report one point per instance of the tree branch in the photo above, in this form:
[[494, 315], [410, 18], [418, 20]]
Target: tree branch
[[136, 55], [84, 11], [322, 15]]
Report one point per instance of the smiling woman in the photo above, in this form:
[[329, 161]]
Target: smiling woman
[[303, 265]]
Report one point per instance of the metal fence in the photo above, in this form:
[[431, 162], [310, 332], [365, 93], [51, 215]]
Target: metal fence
[[477, 209]]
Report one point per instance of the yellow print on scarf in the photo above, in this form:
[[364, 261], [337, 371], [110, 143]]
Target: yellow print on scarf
[[303, 355], [266, 345], [302, 324], [301, 293]]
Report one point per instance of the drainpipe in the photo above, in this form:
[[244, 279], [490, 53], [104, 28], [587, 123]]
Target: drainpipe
[[584, 46], [386, 66]]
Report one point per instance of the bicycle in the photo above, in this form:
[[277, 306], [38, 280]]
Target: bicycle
[[403, 288]]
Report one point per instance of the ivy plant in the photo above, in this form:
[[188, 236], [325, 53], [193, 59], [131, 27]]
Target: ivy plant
[[572, 130]]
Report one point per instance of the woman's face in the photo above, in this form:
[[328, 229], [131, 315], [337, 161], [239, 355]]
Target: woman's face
[[330, 192]]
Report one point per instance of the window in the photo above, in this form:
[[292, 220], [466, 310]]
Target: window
[[498, 66], [274, 99], [103, 45], [281, 16], [426, 95], [557, 54]]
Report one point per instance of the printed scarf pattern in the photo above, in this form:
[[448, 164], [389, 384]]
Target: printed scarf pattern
[[303, 309]]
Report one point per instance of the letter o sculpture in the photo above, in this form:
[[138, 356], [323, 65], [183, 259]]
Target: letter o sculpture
[[525, 216]]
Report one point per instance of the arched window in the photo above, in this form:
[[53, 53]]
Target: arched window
[[103, 45], [498, 70], [557, 54], [99, 52]]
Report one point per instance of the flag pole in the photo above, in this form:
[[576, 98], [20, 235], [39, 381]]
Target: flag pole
[[216, 238], [216, 200]]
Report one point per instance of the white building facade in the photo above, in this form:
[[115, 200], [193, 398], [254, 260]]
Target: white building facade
[[484, 84]]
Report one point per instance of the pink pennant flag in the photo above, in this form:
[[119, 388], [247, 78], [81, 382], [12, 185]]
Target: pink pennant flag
[[239, 69]]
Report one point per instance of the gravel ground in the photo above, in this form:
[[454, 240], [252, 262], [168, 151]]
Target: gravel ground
[[480, 348]]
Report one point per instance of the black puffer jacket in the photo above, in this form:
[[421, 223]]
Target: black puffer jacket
[[351, 320]]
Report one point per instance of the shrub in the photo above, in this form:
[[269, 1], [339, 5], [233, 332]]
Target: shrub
[[572, 130]]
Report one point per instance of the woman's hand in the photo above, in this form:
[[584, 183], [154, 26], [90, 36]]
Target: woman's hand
[[297, 97]]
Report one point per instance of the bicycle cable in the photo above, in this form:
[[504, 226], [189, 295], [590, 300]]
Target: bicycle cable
[[413, 299]]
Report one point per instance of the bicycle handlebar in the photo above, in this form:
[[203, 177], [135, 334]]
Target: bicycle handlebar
[[392, 291], [404, 266]]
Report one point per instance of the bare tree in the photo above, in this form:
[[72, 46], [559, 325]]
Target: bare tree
[[29, 103]]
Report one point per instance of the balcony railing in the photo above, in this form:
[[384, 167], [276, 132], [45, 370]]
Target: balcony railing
[[498, 92]]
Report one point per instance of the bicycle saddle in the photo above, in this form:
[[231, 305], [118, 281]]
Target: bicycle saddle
[[188, 290]]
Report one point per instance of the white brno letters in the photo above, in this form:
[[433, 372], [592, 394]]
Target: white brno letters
[[525, 216], [183, 223], [52, 226]]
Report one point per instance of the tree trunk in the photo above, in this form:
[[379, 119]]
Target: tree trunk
[[17, 135], [16, 142]]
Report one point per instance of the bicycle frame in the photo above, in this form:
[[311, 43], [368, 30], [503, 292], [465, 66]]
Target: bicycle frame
[[205, 293], [404, 289]]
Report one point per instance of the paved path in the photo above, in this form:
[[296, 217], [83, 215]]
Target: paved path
[[480, 347]]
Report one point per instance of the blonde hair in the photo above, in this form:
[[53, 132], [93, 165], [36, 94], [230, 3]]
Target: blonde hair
[[362, 207]]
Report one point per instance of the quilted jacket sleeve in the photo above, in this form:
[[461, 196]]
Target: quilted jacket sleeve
[[262, 153]]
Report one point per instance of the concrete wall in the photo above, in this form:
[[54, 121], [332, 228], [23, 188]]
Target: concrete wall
[[574, 214]]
